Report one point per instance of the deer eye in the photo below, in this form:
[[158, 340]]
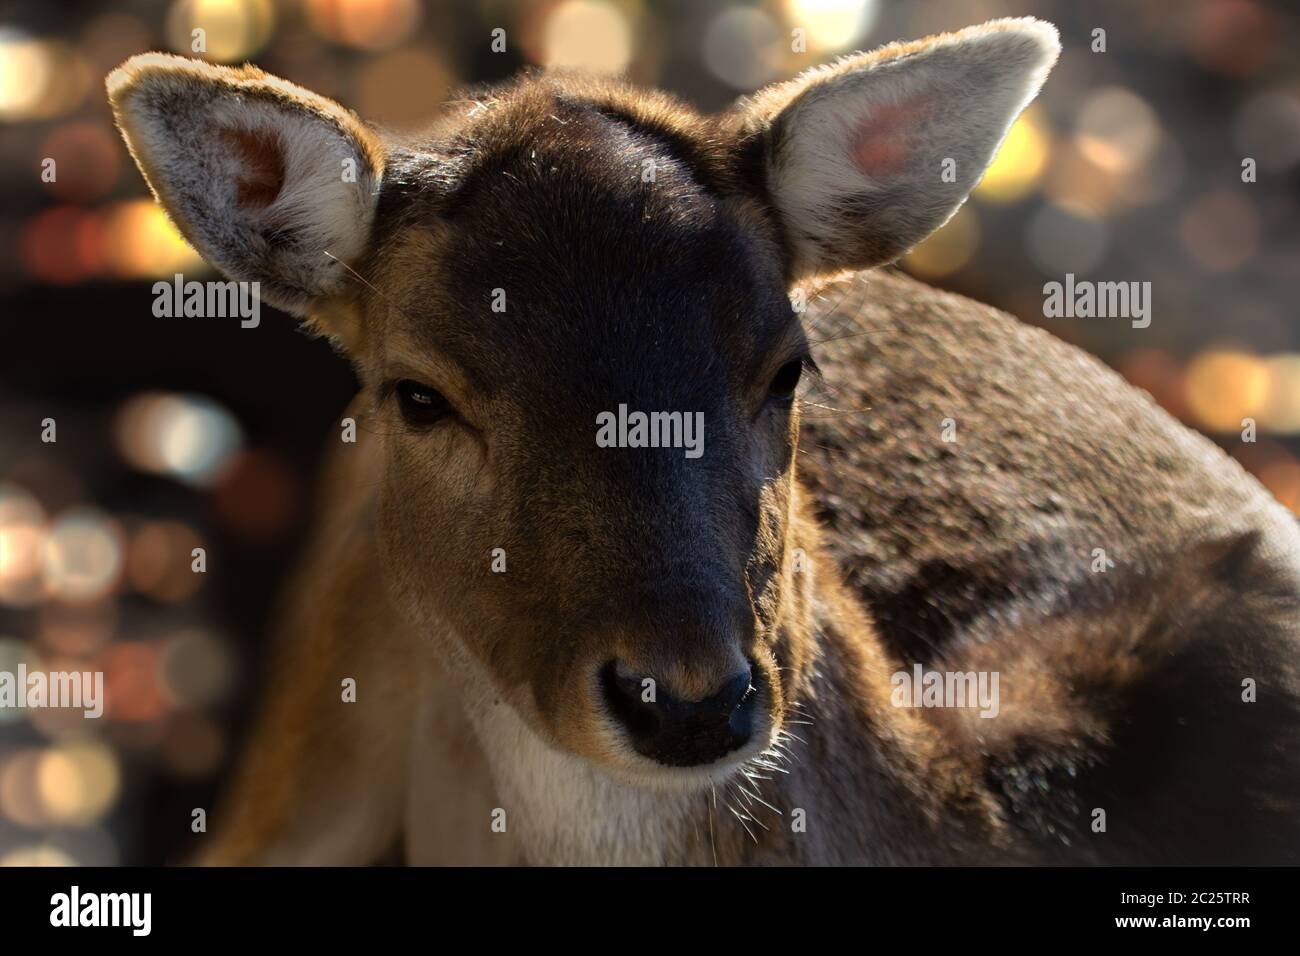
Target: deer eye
[[420, 404], [786, 381]]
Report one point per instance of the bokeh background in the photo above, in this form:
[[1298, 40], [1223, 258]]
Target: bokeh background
[[174, 434]]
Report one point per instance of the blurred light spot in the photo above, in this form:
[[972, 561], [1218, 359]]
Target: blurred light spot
[[112, 37], [25, 70], [195, 669], [1223, 387], [78, 783], [1282, 410], [89, 846], [1234, 37], [142, 243], [1116, 129], [60, 485], [366, 24], [1220, 230], [80, 630], [131, 686], [1078, 185], [744, 47], [82, 558], [20, 797], [189, 437], [234, 29], [22, 544], [1282, 478], [1019, 162], [194, 746], [63, 245], [1267, 129], [159, 561], [12, 654], [832, 24], [258, 495], [1160, 374], [1155, 180], [586, 35], [87, 161], [1060, 241], [402, 89], [39, 79], [37, 855], [61, 723], [947, 250]]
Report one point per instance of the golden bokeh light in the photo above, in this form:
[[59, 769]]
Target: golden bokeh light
[[1116, 129], [22, 545], [39, 79], [39, 854], [1281, 412], [832, 24], [947, 250], [1223, 387], [365, 24], [78, 782], [1020, 160], [587, 35], [141, 242], [233, 30]]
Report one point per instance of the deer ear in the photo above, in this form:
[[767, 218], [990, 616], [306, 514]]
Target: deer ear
[[269, 182], [867, 156]]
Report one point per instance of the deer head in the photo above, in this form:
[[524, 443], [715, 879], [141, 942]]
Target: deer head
[[554, 259]]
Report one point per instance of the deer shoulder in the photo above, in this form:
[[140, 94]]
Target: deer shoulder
[[1001, 501]]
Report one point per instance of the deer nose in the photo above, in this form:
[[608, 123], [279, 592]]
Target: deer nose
[[682, 733]]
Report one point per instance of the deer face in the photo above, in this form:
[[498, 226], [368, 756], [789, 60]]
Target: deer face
[[569, 306], [623, 595]]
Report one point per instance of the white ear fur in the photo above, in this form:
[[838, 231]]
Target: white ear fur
[[270, 182], [855, 151]]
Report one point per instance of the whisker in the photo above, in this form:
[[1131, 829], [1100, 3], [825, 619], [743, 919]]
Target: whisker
[[743, 824]]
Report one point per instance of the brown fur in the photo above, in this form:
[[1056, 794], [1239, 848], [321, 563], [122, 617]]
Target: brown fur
[[480, 692]]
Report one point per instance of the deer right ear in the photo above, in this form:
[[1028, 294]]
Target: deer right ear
[[269, 182], [864, 158]]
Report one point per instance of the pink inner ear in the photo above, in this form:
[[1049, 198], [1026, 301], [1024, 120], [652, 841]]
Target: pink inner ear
[[883, 141], [262, 163]]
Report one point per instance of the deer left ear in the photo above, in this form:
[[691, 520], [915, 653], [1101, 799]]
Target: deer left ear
[[269, 182], [866, 157]]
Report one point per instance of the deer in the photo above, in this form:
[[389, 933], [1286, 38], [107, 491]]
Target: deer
[[566, 651]]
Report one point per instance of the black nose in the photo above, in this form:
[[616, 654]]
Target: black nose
[[682, 733]]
